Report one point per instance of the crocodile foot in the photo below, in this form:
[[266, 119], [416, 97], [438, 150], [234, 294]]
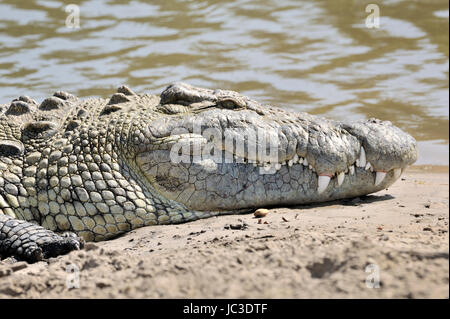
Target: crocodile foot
[[31, 243]]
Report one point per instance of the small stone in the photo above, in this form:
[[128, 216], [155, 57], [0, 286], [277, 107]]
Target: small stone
[[90, 246], [19, 266], [262, 212]]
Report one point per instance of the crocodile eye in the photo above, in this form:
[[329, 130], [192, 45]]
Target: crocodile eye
[[231, 104]]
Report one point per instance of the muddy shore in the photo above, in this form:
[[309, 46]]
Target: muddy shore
[[332, 250]]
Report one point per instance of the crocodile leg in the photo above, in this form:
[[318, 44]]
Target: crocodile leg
[[32, 243]]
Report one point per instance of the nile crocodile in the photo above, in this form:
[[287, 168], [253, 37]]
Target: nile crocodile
[[77, 170]]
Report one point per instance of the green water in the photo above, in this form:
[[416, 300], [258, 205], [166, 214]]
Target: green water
[[314, 56]]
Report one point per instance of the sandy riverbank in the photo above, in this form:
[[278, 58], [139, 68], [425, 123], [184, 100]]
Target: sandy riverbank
[[313, 251]]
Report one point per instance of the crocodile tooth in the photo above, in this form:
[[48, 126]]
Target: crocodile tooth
[[340, 178], [368, 166], [295, 159], [362, 158], [379, 177], [291, 162], [323, 182], [310, 167], [351, 169], [305, 162], [397, 172], [277, 166]]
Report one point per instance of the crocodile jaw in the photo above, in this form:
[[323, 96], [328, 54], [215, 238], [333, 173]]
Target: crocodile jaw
[[208, 186], [315, 159]]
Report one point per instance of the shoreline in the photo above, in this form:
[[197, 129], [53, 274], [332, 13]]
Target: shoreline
[[429, 168], [325, 250]]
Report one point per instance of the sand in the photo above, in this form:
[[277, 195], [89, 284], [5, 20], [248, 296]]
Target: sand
[[392, 244]]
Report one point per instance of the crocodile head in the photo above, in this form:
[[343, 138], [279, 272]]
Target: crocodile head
[[102, 167], [216, 150]]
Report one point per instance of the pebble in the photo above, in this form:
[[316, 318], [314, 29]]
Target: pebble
[[262, 212]]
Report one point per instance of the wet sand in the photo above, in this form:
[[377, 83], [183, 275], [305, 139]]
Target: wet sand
[[312, 251]]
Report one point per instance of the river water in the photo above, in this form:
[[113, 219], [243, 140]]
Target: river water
[[315, 56]]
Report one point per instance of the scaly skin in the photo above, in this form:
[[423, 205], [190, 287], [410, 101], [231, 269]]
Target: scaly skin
[[99, 168]]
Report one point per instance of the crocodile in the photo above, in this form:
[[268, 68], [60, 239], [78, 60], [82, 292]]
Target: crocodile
[[76, 170]]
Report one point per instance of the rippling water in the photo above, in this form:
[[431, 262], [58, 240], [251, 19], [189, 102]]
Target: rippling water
[[314, 56]]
